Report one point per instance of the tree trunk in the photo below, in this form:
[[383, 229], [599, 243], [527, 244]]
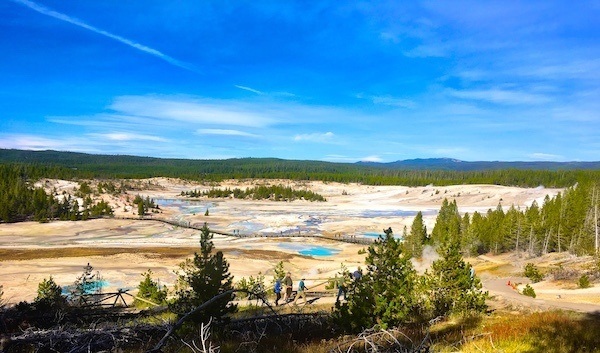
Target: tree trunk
[[518, 234], [531, 241], [547, 241]]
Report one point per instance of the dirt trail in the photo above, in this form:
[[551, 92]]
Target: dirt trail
[[502, 286], [498, 287]]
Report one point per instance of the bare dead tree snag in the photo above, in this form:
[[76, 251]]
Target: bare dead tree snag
[[184, 318]]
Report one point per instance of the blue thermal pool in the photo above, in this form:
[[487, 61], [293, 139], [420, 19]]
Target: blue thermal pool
[[310, 250], [375, 235], [88, 288]]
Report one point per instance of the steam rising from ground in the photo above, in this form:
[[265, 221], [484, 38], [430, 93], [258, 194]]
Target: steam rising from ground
[[425, 262]]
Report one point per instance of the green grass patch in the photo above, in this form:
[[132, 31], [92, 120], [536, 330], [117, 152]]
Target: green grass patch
[[553, 331]]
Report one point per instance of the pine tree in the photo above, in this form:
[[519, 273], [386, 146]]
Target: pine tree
[[49, 294], [150, 290], [202, 278], [454, 287], [447, 223], [387, 294], [416, 238]]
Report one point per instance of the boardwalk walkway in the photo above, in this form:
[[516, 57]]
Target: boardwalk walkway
[[342, 238]]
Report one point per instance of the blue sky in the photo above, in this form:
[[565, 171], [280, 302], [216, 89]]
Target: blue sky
[[336, 81]]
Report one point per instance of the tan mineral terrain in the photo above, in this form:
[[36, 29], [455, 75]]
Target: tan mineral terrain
[[121, 249]]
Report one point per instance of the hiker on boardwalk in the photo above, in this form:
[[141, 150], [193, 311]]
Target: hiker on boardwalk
[[301, 291], [277, 291], [288, 283]]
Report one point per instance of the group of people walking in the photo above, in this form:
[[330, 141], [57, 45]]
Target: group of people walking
[[286, 284], [289, 283]]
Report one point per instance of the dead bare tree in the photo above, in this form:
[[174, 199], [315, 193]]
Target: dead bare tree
[[184, 318], [378, 340]]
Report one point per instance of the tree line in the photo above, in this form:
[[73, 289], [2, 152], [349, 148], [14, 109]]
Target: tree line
[[273, 192], [566, 222], [20, 201], [69, 165]]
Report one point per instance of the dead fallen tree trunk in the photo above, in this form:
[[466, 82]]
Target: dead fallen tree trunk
[[80, 341]]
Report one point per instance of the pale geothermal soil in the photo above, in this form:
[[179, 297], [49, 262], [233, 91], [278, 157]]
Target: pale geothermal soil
[[121, 249]]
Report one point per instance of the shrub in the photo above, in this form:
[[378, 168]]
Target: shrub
[[1, 293], [584, 282], [49, 294], [256, 285], [150, 290], [532, 272], [528, 291]]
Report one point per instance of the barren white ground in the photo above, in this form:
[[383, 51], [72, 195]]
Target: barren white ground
[[350, 209]]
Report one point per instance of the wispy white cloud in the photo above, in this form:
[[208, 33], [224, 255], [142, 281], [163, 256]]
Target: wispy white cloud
[[427, 51], [77, 22], [326, 137], [394, 102], [29, 142], [562, 68], [545, 157], [249, 89], [126, 136], [192, 110], [339, 158], [40, 143], [225, 132], [499, 96], [372, 158], [388, 100]]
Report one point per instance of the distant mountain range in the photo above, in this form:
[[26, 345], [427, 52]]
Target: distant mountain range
[[458, 165], [74, 159]]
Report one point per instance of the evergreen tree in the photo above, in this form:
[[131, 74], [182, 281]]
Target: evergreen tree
[[416, 238], [387, 294], [49, 294], [447, 223], [469, 243], [454, 287], [202, 278], [141, 209], [150, 290]]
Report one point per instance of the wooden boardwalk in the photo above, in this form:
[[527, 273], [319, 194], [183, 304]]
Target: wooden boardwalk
[[342, 238]]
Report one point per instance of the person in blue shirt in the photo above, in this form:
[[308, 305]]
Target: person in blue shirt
[[301, 291], [277, 291]]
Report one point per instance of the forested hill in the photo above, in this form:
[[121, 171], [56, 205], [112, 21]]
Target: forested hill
[[67, 165], [458, 165]]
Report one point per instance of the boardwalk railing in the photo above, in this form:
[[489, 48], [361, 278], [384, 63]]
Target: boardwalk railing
[[186, 224]]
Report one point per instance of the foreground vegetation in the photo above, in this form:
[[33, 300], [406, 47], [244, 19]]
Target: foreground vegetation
[[388, 294]]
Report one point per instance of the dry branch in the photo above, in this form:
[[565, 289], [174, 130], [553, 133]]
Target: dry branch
[[184, 318]]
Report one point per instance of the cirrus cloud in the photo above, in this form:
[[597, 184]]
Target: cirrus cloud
[[224, 132], [326, 137]]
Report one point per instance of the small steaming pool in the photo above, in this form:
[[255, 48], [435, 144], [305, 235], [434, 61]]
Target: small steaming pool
[[310, 250], [88, 288], [185, 206], [375, 235], [396, 213]]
